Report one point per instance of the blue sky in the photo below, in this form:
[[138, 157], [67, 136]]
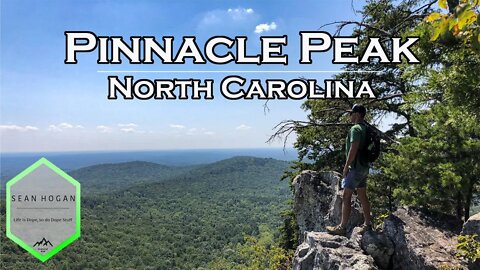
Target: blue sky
[[49, 106]]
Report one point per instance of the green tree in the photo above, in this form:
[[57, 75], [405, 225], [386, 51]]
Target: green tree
[[320, 140], [439, 168], [429, 153], [257, 252]]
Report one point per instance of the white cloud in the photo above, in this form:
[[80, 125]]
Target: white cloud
[[243, 127], [104, 129], [265, 27], [176, 126], [184, 130], [65, 125], [54, 128], [27, 128], [128, 130], [62, 126], [133, 130], [129, 125], [239, 13], [17, 128]]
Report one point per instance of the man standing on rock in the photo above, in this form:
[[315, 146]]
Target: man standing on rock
[[355, 172]]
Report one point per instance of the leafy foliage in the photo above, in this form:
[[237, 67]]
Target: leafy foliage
[[439, 168], [289, 229], [430, 151], [260, 252], [459, 19], [468, 247], [321, 140]]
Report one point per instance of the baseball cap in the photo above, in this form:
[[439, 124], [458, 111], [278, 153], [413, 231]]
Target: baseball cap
[[358, 108]]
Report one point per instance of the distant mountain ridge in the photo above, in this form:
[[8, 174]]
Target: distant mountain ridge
[[117, 176], [228, 173], [121, 175], [14, 163], [239, 164]]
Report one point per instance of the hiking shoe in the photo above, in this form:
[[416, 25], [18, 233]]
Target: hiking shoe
[[364, 228], [336, 230]]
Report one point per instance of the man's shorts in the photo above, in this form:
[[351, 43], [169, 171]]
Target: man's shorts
[[355, 179]]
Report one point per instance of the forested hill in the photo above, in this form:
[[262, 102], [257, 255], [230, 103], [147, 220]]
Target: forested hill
[[117, 176], [182, 219]]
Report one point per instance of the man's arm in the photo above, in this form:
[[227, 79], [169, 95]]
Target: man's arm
[[351, 156]]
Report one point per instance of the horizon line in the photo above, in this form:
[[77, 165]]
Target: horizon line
[[239, 71], [143, 150]]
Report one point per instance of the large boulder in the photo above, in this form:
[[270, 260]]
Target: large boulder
[[322, 251], [423, 240], [472, 226], [377, 245], [318, 202]]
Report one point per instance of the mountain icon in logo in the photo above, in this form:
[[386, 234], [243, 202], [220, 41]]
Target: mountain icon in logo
[[44, 242]]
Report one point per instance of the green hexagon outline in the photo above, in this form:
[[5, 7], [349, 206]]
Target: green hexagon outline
[[69, 240]]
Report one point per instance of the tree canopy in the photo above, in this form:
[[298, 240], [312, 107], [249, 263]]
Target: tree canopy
[[428, 112]]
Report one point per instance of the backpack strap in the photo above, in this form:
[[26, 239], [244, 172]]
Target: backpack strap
[[366, 125]]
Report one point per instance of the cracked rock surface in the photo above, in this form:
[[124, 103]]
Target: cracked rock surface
[[410, 239]]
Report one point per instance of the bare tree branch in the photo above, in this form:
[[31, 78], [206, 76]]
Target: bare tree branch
[[266, 109], [286, 127], [385, 98], [412, 15], [343, 24]]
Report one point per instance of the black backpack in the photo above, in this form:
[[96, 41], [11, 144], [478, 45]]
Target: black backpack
[[371, 149]]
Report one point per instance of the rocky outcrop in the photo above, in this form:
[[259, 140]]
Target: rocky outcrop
[[377, 245], [322, 251], [472, 226], [422, 240], [318, 202], [410, 238]]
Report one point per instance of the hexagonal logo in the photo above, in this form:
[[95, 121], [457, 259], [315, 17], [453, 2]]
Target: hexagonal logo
[[43, 209]]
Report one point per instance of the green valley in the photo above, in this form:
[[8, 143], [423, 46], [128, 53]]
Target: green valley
[[141, 215]]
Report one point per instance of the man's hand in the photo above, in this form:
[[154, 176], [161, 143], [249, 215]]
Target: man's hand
[[351, 157]]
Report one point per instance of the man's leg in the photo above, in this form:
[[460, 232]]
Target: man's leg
[[346, 209], [349, 187], [346, 206], [362, 196]]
